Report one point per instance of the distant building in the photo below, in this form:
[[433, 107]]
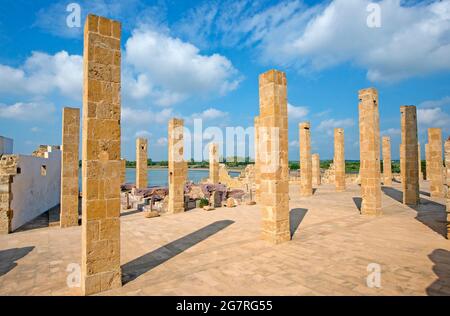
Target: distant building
[[6, 145]]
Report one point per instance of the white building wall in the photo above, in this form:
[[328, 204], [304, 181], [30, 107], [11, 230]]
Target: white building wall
[[6, 146], [34, 193]]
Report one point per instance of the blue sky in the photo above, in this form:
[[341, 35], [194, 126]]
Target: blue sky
[[201, 59]]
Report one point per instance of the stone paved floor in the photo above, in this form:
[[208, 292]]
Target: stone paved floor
[[220, 253]]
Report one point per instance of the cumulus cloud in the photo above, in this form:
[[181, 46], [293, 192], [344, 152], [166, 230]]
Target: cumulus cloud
[[27, 111], [171, 70], [42, 74], [433, 118], [141, 117], [391, 132], [162, 141], [331, 124], [143, 133], [297, 112], [445, 101]]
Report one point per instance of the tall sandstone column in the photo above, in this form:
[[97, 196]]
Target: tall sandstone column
[[387, 163], [257, 161], [141, 163], [316, 176], [305, 159], [123, 174], [427, 162], [69, 167], [273, 156], [214, 163], [101, 165], [447, 167], [177, 166], [339, 159], [409, 155], [436, 168], [419, 162], [369, 133]]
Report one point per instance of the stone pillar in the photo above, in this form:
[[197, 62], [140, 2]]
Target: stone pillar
[[123, 171], [339, 159], [305, 159], [408, 155], [141, 163], [257, 161], [447, 167], [69, 167], [273, 156], [214, 163], [369, 133], [101, 165], [436, 169], [9, 168], [427, 162], [387, 163], [316, 176], [177, 166], [419, 162]]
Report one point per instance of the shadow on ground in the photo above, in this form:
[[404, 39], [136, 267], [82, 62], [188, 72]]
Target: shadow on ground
[[143, 264], [441, 267], [429, 213], [9, 257], [296, 216], [358, 202]]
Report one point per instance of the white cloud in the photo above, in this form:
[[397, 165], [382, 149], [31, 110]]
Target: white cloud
[[294, 143], [42, 74], [297, 112], [433, 118], [445, 101], [208, 114], [161, 141], [143, 133], [27, 111], [142, 117], [173, 70], [331, 124], [391, 132]]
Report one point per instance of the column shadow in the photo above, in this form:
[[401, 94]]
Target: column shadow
[[358, 202], [441, 267], [9, 257], [296, 216], [145, 263], [429, 213]]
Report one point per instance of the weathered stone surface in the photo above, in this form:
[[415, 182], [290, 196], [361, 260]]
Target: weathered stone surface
[[305, 159], [369, 129], [8, 169], [257, 161], [214, 163], [316, 175], [409, 155], [273, 151], [387, 163], [231, 202], [339, 159], [151, 214], [141, 163], [177, 166], [123, 171], [101, 168], [436, 175], [427, 162], [447, 167], [419, 162], [69, 167]]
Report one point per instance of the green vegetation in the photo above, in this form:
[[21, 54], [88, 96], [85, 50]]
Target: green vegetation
[[203, 202]]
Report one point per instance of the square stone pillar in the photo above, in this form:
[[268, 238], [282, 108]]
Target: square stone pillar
[[436, 168], [123, 171], [409, 155], [339, 159], [273, 156], [447, 167], [387, 163], [427, 162], [316, 176], [177, 166], [369, 133], [69, 167], [214, 163], [305, 159], [257, 161], [419, 162], [141, 163], [101, 167]]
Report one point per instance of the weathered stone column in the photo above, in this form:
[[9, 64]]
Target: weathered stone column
[[316, 176], [69, 167], [387, 163], [214, 163], [257, 161], [273, 153], [177, 166], [305, 159], [141, 163], [436, 169], [419, 162], [447, 167], [408, 155], [9, 165], [427, 162], [123, 171], [101, 166], [369, 133], [339, 159]]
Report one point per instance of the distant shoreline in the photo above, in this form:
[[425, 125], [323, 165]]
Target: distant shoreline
[[190, 168]]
